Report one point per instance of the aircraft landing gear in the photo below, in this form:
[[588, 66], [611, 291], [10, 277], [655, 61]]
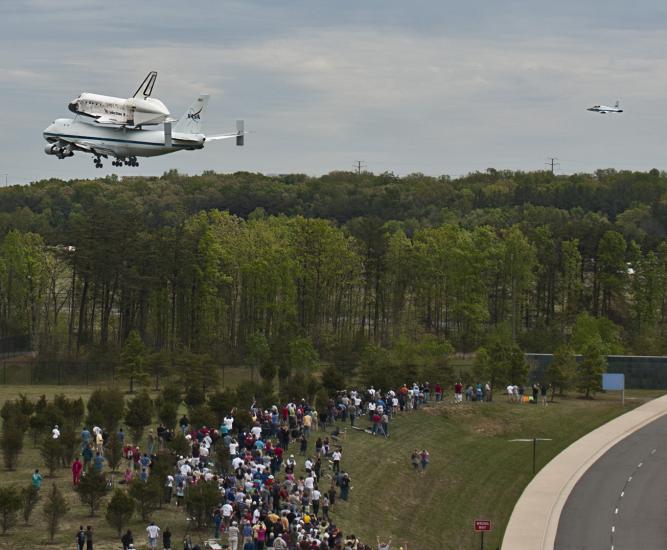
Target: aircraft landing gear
[[117, 162], [98, 162], [131, 161]]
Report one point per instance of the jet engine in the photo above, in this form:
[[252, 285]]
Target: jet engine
[[60, 152]]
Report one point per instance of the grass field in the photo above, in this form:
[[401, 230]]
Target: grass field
[[475, 472]]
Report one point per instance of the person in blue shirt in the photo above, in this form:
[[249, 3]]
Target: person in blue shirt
[[98, 463]]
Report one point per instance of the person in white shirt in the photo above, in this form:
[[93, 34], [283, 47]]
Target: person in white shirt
[[237, 463], [309, 482], [55, 432], [229, 422], [153, 533], [233, 446], [256, 431]]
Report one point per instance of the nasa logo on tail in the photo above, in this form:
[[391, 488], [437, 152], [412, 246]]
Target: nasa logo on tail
[[195, 116]]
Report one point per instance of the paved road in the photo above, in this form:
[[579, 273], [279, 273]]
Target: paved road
[[620, 503]]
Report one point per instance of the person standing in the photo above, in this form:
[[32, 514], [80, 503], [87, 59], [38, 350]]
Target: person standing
[[383, 545], [414, 459], [98, 463], [233, 536], [37, 480], [89, 538], [77, 468], [127, 540], [544, 390], [335, 457], [424, 458], [80, 538], [153, 533], [458, 393], [166, 539]]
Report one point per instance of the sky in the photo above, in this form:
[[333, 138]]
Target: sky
[[430, 86]]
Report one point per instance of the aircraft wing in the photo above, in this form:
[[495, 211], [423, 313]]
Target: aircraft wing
[[78, 146]]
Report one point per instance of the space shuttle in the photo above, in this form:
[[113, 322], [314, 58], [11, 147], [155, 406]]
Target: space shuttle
[[136, 111]]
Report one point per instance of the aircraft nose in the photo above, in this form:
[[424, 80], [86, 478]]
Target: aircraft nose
[[73, 106]]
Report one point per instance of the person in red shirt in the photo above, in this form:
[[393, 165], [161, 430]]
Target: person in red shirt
[[438, 392], [458, 393], [77, 468]]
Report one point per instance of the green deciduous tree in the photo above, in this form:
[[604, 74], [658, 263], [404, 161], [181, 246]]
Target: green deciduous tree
[[561, 372], [590, 370]]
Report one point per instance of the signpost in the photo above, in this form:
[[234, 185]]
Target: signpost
[[612, 381], [482, 525], [534, 440]]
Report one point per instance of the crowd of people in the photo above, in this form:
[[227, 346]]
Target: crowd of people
[[285, 471]]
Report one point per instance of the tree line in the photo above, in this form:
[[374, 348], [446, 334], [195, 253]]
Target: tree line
[[207, 264]]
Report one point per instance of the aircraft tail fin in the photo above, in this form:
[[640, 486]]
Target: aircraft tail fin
[[147, 85], [190, 122]]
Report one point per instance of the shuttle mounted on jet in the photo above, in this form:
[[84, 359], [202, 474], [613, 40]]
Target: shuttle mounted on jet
[[604, 109], [139, 110], [124, 143]]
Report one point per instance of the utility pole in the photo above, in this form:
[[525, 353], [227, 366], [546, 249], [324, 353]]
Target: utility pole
[[359, 165], [551, 161]]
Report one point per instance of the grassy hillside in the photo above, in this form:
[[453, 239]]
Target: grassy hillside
[[474, 472]]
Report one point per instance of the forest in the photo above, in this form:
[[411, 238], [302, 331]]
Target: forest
[[209, 264]]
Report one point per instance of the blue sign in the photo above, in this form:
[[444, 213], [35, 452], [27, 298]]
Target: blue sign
[[613, 381]]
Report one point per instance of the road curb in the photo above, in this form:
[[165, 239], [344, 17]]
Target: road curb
[[534, 520]]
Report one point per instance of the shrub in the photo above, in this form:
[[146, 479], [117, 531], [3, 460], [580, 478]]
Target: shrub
[[10, 504], [120, 510]]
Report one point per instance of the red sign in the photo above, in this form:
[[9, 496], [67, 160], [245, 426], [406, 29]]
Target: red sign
[[482, 525]]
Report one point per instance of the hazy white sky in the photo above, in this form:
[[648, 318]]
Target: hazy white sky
[[429, 86]]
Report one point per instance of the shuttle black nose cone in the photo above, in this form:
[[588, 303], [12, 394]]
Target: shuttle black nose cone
[[72, 107]]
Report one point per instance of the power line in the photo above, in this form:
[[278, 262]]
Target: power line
[[359, 164], [551, 161]]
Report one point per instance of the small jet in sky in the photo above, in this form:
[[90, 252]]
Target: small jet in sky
[[135, 111], [124, 144], [604, 109]]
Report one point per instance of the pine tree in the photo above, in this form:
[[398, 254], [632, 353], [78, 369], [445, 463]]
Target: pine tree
[[30, 497], [55, 508], [91, 490], [119, 510], [10, 504]]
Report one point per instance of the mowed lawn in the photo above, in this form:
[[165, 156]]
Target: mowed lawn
[[475, 472]]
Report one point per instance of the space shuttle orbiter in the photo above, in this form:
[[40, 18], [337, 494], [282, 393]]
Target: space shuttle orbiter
[[138, 110]]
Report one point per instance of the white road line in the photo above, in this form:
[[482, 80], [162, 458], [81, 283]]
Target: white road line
[[640, 465], [622, 493], [616, 511], [613, 528], [629, 479], [653, 451]]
